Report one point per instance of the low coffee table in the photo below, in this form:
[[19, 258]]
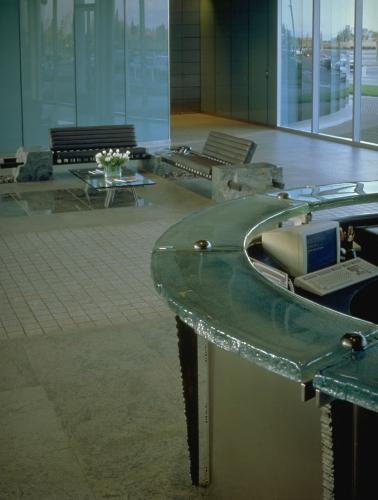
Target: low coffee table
[[95, 179]]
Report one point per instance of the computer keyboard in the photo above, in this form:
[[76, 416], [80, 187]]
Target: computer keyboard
[[337, 277]]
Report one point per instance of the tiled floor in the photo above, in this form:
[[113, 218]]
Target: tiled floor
[[90, 396], [70, 279]]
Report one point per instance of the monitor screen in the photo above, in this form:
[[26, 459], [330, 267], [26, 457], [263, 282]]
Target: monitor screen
[[303, 249], [321, 250]]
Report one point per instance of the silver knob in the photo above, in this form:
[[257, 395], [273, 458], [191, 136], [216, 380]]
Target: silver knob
[[283, 195], [202, 245], [355, 340]]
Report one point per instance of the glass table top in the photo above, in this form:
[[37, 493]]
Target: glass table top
[[95, 178]]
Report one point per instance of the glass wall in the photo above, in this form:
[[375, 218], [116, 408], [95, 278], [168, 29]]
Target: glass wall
[[47, 68], [369, 73], [336, 94], [336, 67], [83, 62], [296, 64], [10, 81], [147, 92], [100, 62]]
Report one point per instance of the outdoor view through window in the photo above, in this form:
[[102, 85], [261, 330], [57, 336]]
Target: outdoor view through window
[[320, 94]]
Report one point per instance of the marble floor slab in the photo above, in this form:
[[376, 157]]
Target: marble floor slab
[[36, 456], [106, 403], [15, 369], [120, 406]]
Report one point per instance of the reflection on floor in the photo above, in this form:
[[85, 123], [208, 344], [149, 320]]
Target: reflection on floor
[[25, 199], [59, 201]]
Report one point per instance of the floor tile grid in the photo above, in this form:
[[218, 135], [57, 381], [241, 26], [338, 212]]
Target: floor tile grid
[[80, 278]]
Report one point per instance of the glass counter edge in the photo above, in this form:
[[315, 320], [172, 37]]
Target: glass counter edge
[[272, 362], [346, 391], [316, 198]]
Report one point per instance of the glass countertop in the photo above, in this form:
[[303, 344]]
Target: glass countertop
[[350, 192], [225, 299], [355, 379]]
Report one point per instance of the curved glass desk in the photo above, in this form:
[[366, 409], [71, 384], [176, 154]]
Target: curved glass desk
[[222, 296]]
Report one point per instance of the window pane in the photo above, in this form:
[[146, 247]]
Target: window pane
[[48, 88], [147, 104], [296, 64], [369, 77], [336, 67], [100, 67], [10, 83]]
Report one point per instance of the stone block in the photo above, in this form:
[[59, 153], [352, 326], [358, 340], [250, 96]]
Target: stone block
[[37, 166], [230, 182], [143, 165]]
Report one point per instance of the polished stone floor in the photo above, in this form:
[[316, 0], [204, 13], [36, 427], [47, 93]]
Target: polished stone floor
[[90, 396]]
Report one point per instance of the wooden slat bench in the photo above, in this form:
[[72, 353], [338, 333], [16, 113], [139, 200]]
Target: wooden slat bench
[[80, 144], [219, 149]]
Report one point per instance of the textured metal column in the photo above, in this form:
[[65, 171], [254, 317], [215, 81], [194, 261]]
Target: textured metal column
[[337, 451], [194, 370]]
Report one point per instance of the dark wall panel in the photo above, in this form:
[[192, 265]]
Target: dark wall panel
[[258, 54], [240, 60], [238, 52], [185, 55], [207, 56], [223, 36]]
